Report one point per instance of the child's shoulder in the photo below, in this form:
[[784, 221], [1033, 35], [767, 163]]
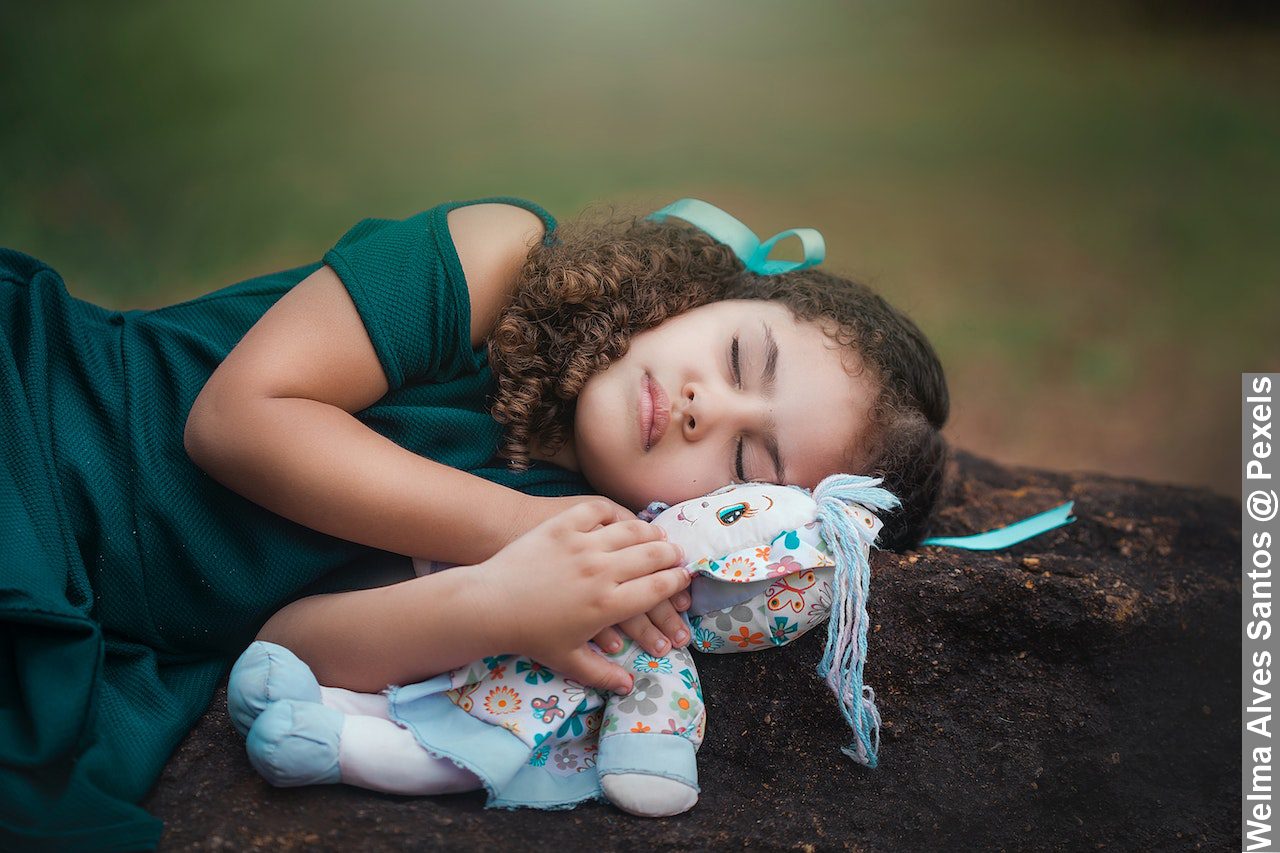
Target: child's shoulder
[[492, 240]]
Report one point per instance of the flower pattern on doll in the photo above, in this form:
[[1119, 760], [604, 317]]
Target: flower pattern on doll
[[573, 725], [763, 552], [640, 728], [706, 641], [502, 700], [645, 662], [674, 728], [737, 570], [681, 704], [690, 679], [574, 692], [781, 631], [746, 637], [726, 619], [536, 671], [541, 749], [786, 565], [641, 698], [565, 759], [610, 723], [822, 606]]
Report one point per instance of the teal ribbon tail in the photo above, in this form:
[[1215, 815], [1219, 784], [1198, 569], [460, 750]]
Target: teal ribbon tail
[[1003, 537], [744, 242]]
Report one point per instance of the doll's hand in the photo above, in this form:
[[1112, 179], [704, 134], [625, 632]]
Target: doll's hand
[[656, 631], [591, 566]]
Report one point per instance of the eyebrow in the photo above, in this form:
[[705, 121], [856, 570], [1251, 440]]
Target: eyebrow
[[770, 377]]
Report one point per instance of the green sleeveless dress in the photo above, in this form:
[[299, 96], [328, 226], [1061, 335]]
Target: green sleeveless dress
[[130, 579]]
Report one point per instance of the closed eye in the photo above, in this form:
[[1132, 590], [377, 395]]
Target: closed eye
[[736, 369]]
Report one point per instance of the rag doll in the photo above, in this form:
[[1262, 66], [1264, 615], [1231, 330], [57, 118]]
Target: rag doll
[[769, 563], [764, 574]]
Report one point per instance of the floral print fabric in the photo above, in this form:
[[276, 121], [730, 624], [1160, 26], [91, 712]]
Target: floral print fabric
[[561, 723]]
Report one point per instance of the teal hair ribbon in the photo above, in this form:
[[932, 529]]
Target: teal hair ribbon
[[744, 242], [1012, 534]]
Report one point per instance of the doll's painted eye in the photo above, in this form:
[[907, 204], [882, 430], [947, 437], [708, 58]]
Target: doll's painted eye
[[730, 514]]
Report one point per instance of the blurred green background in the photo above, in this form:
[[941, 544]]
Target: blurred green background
[[1081, 211]]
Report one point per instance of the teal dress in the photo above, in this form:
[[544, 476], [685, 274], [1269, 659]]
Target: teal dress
[[129, 578]]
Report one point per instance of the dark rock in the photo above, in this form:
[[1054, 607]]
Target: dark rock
[[1077, 691]]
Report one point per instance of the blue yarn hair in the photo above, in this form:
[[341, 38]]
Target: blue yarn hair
[[846, 648]]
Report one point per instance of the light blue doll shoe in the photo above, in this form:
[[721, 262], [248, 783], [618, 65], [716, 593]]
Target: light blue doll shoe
[[266, 673], [296, 743]]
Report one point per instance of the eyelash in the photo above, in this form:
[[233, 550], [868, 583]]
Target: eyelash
[[736, 369]]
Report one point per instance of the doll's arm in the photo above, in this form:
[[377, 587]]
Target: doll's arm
[[649, 738]]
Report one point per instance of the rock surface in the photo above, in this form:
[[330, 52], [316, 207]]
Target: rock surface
[[1076, 691]]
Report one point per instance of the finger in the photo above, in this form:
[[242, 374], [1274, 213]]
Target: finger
[[621, 534], [681, 601], [668, 621], [650, 637], [609, 639], [644, 558], [585, 516], [642, 594], [592, 670]]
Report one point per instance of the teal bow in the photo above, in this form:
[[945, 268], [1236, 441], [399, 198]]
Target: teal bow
[[1003, 537], [744, 242]]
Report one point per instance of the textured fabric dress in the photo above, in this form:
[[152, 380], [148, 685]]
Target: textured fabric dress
[[129, 578]]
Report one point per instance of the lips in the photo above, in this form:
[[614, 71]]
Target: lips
[[655, 412]]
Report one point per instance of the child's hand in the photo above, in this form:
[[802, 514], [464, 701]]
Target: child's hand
[[586, 568], [656, 631]]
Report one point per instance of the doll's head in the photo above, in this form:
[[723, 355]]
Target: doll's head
[[614, 316], [769, 563]]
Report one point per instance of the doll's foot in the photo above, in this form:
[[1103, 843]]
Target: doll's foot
[[648, 796], [264, 674], [296, 743]]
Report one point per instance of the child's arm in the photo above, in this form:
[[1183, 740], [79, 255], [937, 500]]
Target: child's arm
[[275, 422], [597, 566]]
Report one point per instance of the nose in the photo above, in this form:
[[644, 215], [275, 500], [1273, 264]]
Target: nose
[[704, 411]]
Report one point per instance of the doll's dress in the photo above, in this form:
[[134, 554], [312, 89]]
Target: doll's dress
[[538, 739]]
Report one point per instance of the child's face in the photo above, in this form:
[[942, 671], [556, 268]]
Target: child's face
[[818, 407]]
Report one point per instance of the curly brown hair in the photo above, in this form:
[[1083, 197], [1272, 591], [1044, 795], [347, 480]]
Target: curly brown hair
[[586, 291]]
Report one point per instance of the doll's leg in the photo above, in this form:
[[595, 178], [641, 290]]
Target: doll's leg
[[295, 743], [266, 673], [650, 737], [351, 702]]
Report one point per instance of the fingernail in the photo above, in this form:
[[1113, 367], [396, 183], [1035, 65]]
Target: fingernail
[[662, 532], [623, 691], [662, 645], [613, 647], [681, 636]]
